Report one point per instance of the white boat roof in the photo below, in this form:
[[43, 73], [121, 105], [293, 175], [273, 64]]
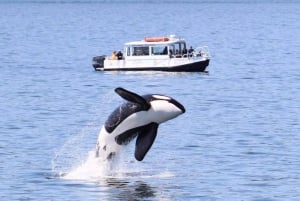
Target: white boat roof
[[171, 40]]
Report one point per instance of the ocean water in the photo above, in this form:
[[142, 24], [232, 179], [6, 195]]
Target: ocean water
[[238, 140]]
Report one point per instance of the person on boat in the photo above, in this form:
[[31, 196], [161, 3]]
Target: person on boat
[[165, 52], [177, 55], [170, 53], [191, 50], [120, 55], [184, 51], [114, 55]]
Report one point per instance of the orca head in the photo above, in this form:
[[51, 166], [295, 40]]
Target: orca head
[[164, 108]]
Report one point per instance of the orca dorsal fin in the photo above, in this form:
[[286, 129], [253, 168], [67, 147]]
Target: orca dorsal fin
[[133, 97]]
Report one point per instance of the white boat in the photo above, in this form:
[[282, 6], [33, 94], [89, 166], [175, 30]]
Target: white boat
[[156, 54]]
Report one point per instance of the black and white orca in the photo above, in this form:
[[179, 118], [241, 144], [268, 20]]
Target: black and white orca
[[139, 117]]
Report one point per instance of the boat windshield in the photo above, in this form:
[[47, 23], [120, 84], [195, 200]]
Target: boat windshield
[[178, 48]]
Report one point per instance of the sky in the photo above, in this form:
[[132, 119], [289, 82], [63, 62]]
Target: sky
[[148, 1]]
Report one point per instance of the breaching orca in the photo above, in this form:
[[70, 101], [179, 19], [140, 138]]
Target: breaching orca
[[139, 117]]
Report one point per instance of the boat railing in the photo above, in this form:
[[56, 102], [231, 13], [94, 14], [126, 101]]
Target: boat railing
[[198, 52], [202, 51]]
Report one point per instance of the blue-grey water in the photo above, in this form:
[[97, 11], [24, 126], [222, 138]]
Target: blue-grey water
[[238, 140]]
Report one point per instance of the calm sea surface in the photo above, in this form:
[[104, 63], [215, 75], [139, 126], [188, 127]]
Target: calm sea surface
[[238, 140]]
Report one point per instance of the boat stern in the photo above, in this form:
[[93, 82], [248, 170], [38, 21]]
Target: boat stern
[[98, 62]]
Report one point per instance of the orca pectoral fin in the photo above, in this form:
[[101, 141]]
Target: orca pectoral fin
[[145, 140], [132, 97]]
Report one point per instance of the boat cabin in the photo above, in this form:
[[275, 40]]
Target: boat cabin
[[156, 46]]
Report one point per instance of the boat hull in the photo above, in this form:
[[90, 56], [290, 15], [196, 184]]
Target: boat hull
[[198, 66]]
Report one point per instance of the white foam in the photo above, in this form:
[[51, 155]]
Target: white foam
[[90, 169], [94, 170]]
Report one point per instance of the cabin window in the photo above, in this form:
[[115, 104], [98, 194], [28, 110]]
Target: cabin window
[[159, 50], [140, 51]]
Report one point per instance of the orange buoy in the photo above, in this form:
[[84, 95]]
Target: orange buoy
[[156, 39]]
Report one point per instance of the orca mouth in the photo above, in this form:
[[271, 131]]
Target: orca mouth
[[179, 105]]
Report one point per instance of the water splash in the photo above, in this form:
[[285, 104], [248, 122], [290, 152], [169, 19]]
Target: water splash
[[94, 169], [76, 149]]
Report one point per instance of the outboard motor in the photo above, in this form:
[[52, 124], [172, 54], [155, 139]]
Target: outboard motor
[[98, 62]]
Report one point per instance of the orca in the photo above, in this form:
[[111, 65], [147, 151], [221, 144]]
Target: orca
[[139, 117]]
